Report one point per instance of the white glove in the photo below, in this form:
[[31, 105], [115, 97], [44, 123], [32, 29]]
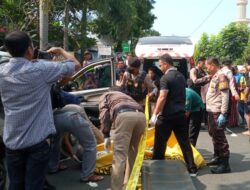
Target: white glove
[[107, 144], [153, 120]]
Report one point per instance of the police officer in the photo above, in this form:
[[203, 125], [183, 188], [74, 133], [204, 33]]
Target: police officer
[[170, 109], [136, 83], [217, 100]]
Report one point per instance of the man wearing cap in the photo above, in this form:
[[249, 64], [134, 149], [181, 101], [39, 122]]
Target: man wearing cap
[[87, 57], [128, 122], [136, 83], [217, 100]]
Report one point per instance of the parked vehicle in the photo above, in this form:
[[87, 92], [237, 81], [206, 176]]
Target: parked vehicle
[[149, 49], [104, 76]]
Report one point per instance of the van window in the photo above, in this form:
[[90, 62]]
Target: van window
[[180, 64]]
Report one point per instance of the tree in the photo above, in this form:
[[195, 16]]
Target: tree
[[150, 32], [125, 20], [246, 54], [201, 48], [231, 43], [75, 21], [234, 38]]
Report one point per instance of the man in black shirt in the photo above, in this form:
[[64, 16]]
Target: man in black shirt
[[169, 114]]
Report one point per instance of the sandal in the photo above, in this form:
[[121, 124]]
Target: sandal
[[92, 178], [60, 168]]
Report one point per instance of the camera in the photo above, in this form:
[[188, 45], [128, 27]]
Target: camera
[[38, 54], [44, 55]]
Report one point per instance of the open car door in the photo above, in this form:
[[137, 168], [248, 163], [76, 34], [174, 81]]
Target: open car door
[[90, 83]]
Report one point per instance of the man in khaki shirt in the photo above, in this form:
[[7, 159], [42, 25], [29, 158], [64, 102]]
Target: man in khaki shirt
[[217, 100]]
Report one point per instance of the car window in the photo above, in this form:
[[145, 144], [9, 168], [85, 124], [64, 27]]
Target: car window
[[96, 76]]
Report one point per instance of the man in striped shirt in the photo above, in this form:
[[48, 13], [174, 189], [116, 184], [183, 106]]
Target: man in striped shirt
[[25, 92]]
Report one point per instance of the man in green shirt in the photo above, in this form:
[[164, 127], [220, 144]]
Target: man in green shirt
[[194, 110]]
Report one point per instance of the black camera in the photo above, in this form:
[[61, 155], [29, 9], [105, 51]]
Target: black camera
[[44, 55], [38, 54]]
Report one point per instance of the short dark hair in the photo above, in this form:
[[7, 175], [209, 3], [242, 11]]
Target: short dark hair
[[248, 61], [153, 68], [134, 62], [17, 43], [227, 62], [166, 58], [201, 59], [213, 60]]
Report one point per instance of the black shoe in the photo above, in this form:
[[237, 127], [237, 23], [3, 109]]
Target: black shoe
[[214, 161], [193, 172], [223, 167], [220, 169]]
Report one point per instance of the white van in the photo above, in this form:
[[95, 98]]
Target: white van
[[149, 49]]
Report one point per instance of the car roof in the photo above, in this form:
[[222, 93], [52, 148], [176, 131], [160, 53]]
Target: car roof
[[165, 40]]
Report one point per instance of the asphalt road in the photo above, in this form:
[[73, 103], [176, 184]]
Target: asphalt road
[[238, 179]]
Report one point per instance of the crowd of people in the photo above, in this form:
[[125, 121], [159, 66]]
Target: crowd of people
[[36, 120]]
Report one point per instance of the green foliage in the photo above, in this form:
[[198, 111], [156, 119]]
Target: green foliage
[[232, 42], [201, 48], [115, 20], [124, 20], [150, 32], [246, 54], [234, 38]]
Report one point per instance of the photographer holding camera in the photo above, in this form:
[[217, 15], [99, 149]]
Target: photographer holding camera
[[25, 92]]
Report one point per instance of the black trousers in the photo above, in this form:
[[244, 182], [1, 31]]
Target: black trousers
[[195, 128], [2, 167], [221, 147], [163, 129], [2, 175]]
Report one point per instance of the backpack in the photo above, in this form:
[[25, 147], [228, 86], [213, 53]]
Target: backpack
[[56, 98], [60, 98], [69, 98], [134, 87]]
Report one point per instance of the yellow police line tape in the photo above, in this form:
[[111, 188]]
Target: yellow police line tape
[[133, 179]]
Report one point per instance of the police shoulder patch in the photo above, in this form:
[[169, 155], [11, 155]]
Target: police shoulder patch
[[223, 82]]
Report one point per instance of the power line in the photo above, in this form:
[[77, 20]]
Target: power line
[[214, 9]]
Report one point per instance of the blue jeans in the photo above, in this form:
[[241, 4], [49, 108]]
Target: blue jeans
[[27, 167], [241, 110], [74, 123]]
